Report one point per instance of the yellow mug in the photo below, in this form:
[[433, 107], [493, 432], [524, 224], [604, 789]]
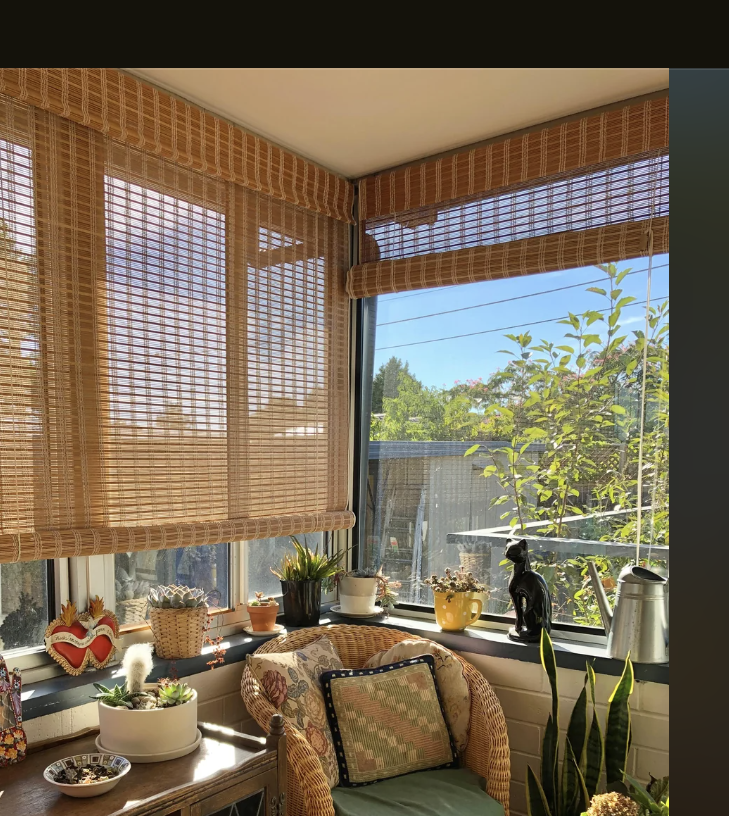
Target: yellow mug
[[454, 611]]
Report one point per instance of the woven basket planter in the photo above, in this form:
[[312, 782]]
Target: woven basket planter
[[178, 633], [133, 611]]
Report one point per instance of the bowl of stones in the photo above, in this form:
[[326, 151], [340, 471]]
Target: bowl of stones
[[86, 775]]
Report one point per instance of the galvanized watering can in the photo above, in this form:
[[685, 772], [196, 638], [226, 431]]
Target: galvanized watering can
[[639, 623]]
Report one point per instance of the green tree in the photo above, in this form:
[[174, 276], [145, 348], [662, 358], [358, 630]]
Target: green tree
[[386, 383]]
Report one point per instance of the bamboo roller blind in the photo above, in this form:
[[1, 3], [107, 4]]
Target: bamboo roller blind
[[173, 350], [131, 111], [580, 193]]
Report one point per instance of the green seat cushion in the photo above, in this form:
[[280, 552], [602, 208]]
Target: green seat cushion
[[448, 792]]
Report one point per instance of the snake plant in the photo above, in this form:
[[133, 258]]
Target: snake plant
[[567, 791]]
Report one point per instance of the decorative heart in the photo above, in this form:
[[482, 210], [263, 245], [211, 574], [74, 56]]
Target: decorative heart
[[74, 641]]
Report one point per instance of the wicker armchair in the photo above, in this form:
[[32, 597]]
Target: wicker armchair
[[307, 790]]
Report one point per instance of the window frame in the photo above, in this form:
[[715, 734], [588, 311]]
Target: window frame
[[364, 317]]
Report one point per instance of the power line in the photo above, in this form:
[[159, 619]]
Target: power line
[[508, 300], [506, 328], [416, 294]]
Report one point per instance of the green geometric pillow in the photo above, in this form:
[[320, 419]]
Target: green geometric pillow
[[387, 721]]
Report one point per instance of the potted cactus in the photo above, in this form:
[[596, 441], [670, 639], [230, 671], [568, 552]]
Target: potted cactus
[[178, 615], [147, 721], [262, 612]]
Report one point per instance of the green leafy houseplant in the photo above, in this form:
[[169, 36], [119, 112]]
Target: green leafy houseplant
[[303, 575], [567, 791], [137, 664], [308, 565], [653, 799], [384, 594]]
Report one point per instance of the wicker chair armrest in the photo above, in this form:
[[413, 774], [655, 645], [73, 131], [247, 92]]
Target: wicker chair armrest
[[307, 791], [487, 752]]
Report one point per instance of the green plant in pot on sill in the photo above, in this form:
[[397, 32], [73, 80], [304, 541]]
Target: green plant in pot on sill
[[568, 788], [361, 590], [303, 574], [455, 599], [173, 639], [145, 718], [263, 611]]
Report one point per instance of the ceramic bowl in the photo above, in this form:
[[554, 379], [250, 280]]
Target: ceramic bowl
[[121, 764]]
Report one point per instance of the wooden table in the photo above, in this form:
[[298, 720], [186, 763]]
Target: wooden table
[[227, 769]]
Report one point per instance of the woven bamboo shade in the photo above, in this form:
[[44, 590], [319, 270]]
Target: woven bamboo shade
[[131, 111], [582, 143], [173, 351], [566, 196]]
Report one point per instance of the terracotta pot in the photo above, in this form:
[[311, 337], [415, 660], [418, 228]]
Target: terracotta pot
[[454, 611], [263, 618]]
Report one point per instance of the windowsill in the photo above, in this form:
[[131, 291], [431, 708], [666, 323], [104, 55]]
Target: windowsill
[[60, 693], [64, 692], [569, 654]]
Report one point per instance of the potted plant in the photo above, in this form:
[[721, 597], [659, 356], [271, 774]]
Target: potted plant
[[570, 786], [455, 601], [142, 718], [178, 615], [262, 612], [361, 590], [302, 576]]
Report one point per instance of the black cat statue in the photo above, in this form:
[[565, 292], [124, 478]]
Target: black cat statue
[[530, 594]]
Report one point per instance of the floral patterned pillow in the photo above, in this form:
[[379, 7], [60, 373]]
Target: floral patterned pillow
[[290, 680]]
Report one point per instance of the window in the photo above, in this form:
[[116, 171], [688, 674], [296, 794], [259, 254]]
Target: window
[[206, 567], [24, 604], [513, 407], [24, 587]]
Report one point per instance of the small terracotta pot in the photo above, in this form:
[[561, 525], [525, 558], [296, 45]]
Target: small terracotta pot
[[263, 618]]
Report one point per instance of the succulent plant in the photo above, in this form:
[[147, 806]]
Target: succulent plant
[[176, 597], [173, 693], [116, 697], [454, 581], [262, 600]]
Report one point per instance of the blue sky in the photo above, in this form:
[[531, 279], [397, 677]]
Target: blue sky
[[441, 363]]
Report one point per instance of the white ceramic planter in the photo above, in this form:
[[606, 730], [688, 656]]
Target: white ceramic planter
[[357, 595], [158, 731]]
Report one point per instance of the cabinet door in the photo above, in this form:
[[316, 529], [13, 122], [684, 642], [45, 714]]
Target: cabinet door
[[254, 797]]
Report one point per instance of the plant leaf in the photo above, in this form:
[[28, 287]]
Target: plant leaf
[[577, 728], [639, 794], [536, 800], [618, 726], [571, 793], [550, 759], [595, 750]]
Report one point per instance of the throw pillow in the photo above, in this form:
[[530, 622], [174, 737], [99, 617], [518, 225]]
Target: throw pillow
[[450, 677], [290, 680], [386, 721]]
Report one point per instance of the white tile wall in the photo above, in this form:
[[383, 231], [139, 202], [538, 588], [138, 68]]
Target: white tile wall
[[522, 688], [524, 693]]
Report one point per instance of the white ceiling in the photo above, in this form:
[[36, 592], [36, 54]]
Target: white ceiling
[[360, 120]]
